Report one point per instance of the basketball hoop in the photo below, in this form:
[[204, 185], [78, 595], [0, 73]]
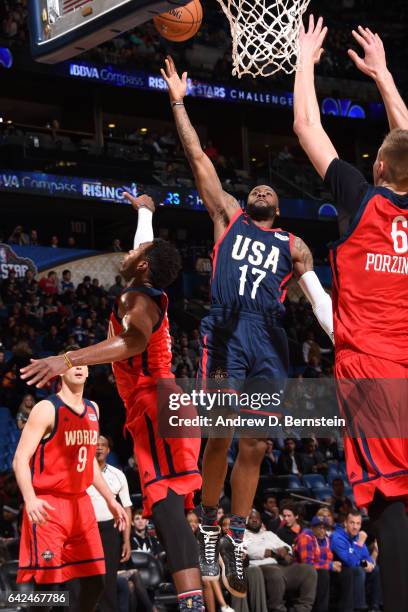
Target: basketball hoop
[[264, 35]]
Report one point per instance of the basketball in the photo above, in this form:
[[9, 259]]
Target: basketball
[[180, 23]]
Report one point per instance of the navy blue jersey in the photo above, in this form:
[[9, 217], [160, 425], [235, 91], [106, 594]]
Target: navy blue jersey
[[251, 267]]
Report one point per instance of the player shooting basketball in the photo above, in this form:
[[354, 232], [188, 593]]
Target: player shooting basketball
[[242, 337], [369, 265], [139, 347], [54, 464]]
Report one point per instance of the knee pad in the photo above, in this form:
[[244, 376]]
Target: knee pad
[[175, 533]]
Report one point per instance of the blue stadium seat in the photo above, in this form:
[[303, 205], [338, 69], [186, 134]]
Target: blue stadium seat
[[342, 467], [332, 474], [314, 481], [294, 482], [276, 454], [289, 481], [322, 493]]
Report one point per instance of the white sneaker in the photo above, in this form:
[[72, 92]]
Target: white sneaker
[[227, 609]]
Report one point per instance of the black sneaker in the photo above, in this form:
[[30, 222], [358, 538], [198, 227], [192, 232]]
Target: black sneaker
[[209, 540], [233, 566]]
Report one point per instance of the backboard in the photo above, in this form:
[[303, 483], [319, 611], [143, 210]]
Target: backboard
[[61, 29]]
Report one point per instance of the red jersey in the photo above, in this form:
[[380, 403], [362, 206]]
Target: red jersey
[[64, 462], [155, 362], [370, 268]]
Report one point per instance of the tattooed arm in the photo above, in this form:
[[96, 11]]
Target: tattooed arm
[[302, 258], [309, 283], [220, 205]]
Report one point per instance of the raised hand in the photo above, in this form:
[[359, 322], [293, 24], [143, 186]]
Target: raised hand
[[177, 86], [374, 63], [311, 42], [143, 201], [40, 371]]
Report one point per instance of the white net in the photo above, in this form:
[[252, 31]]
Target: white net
[[264, 35]]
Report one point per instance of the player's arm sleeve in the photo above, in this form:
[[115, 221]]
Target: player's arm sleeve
[[124, 492], [319, 299], [347, 185], [144, 231]]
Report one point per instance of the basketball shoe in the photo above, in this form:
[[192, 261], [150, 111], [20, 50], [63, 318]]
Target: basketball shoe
[[233, 566], [208, 541]]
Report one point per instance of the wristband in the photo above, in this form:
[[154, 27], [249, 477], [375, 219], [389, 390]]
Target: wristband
[[177, 104], [68, 361]]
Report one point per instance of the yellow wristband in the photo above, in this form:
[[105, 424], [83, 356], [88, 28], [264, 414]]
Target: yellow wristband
[[68, 361]]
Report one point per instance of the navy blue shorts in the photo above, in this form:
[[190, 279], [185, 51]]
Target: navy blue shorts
[[243, 352]]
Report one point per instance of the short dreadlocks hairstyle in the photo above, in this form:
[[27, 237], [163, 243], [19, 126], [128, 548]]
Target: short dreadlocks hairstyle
[[164, 263]]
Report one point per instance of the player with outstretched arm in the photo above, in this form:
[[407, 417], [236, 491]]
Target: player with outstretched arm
[[139, 348], [242, 338], [370, 299]]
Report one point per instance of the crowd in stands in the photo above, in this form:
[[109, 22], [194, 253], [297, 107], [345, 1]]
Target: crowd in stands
[[164, 163], [19, 237], [305, 545]]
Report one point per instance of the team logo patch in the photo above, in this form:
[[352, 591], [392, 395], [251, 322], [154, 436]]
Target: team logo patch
[[47, 555], [281, 237], [92, 417]]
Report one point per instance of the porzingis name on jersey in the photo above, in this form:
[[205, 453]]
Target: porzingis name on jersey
[[80, 437], [386, 263]]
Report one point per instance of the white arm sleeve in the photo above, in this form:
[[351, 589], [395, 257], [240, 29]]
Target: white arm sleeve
[[144, 232], [320, 301]]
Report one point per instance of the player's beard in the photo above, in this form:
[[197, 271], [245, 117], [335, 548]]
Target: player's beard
[[261, 213]]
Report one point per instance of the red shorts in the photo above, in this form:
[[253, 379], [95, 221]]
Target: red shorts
[[164, 463], [376, 446], [67, 546]]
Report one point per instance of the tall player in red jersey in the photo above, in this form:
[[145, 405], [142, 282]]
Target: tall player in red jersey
[[370, 298], [54, 465], [139, 347]]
